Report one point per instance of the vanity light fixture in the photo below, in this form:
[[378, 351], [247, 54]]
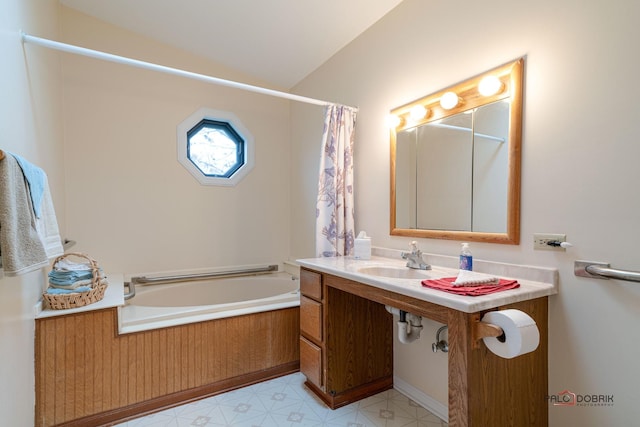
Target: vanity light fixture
[[490, 85], [418, 112], [393, 121], [449, 100]]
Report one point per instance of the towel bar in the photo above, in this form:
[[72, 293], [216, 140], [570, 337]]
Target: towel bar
[[602, 270]]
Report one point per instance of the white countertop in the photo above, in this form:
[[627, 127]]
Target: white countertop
[[113, 297], [535, 282]]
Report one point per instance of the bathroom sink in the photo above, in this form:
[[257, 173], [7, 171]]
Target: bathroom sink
[[394, 272]]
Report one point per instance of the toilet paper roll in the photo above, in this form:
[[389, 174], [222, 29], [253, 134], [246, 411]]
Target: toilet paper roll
[[521, 335]]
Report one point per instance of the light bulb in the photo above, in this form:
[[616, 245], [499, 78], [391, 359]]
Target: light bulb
[[418, 112], [449, 100], [490, 85], [393, 121]]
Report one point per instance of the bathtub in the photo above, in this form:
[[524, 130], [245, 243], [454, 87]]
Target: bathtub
[[161, 306]]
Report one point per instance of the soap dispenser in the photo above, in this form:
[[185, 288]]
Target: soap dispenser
[[466, 259]]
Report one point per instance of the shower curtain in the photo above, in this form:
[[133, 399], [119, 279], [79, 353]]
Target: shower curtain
[[334, 209]]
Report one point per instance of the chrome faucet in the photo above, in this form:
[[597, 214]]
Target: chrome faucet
[[414, 258]]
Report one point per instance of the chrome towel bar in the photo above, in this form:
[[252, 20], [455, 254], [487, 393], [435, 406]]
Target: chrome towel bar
[[143, 280], [602, 270]]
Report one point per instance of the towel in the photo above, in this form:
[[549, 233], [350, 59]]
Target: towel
[[20, 245], [67, 274], [446, 285], [66, 265], [72, 278], [59, 277], [37, 182], [472, 278], [74, 285], [47, 225], [55, 291]]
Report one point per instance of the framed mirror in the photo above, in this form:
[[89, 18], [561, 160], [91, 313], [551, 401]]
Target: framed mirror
[[455, 160]]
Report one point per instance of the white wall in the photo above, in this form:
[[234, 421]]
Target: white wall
[[30, 126], [130, 204], [579, 166]]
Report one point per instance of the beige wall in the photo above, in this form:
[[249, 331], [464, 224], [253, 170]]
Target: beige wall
[[129, 202], [580, 166], [30, 126], [117, 186]]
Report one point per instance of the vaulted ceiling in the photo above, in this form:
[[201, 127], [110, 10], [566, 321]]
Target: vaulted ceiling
[[277, 41]]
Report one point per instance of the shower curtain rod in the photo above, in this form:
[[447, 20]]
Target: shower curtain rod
[[169, 70]]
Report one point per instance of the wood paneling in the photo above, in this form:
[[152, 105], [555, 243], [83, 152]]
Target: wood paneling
[[85, 370], [359, 341]]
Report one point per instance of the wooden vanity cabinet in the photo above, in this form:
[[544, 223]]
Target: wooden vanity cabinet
[[346, 342], [346, 353]]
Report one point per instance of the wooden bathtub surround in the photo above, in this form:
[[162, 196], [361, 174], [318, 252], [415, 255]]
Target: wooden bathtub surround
[[353, 354], [88, 375]]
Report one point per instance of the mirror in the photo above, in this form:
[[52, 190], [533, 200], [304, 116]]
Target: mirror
[[455, 169]]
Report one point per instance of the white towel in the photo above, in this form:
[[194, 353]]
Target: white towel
[[472, 278], [47, 225]]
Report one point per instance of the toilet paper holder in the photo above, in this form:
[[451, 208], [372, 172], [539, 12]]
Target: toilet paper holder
[[481, 330]]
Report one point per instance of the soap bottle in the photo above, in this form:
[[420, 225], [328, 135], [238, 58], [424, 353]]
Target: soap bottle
[[466, 259]]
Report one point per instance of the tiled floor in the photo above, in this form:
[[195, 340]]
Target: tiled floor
[[286, 402]]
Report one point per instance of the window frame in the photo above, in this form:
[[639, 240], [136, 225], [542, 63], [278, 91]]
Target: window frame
[[223, 118]]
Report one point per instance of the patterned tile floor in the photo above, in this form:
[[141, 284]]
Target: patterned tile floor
[[285, 401]]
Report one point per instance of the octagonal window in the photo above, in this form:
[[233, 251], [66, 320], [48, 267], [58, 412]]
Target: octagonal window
[[215, 147]]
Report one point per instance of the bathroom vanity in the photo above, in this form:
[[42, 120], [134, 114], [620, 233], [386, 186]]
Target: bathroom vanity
[[346, 337]]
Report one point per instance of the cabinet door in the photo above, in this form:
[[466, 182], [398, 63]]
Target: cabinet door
[[311, 361], [311, 319]]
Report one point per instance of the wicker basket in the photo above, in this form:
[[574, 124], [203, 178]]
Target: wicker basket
[[78, 299]]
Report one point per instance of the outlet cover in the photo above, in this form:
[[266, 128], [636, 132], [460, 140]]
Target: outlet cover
[[541, 241]]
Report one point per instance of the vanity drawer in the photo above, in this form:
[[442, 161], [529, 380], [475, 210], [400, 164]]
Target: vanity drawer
[[311, 361], [311, 284], [311, 318]]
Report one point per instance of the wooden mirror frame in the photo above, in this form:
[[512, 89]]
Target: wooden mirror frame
[[511, 76]]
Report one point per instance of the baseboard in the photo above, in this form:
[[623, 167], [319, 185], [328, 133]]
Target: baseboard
[[432, 405]]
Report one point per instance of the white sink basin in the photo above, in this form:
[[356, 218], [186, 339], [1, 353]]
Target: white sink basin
[[394, 272]]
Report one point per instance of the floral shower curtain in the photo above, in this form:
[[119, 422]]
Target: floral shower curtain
[[334, 209]]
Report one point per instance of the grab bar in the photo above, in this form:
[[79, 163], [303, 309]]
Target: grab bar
[[602, 270], [143, 280]]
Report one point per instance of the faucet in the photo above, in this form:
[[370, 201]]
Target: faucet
[[414, 258]]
